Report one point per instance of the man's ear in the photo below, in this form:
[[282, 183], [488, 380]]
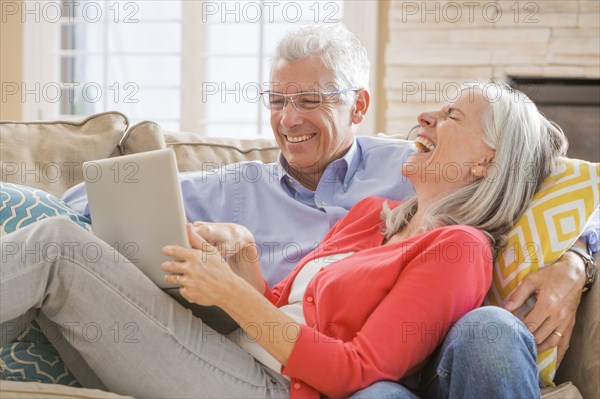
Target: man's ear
[[361, 106]]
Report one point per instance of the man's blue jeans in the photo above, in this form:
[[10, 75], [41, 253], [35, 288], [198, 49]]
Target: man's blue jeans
[[488, 353]]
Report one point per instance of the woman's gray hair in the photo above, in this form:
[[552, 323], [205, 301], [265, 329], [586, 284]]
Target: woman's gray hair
[[339, 49], [527, 146]]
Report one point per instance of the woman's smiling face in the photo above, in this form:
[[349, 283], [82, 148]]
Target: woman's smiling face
[[450, 143]]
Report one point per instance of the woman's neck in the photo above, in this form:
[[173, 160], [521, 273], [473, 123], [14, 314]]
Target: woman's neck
[[416, 225]]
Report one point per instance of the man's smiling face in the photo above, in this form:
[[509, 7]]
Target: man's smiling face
[[310, 140]]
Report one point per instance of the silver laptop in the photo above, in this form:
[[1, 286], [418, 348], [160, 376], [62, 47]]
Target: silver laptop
[[136, 206]]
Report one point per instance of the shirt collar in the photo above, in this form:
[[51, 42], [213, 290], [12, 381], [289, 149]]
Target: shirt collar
[[344, 166], [351, 160], [283, 169], [290, 184], [285, 179]]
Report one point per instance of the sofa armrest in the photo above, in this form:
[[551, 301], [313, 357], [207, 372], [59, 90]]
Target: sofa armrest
[[581, 364]]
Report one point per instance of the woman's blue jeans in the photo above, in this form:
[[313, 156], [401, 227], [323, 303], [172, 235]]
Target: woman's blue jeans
[[488, 353]]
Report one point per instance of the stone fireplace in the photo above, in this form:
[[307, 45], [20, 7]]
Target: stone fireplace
[[548, 48], [572, 103]]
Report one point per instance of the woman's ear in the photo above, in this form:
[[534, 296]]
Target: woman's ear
[[478, 171], [481, 169], [361, 105], [489, 158]]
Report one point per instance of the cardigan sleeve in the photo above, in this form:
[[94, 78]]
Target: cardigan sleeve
[[429, 295]]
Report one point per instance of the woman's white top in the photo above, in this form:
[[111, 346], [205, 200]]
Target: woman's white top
[[292, 309]]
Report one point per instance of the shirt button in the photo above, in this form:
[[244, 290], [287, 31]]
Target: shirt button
[[324, 203], [297, 385], [311, 325], [309, 299]]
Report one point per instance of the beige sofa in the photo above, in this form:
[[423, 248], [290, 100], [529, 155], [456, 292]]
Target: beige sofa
[[48, 147]]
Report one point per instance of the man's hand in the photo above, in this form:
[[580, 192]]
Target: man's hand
[[558, 288], [236, 245], [228, 238]]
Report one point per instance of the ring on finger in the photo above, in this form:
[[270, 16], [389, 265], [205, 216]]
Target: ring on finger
[[557, 333]]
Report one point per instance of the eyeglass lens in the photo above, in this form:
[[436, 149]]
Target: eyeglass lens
[[302, 101]]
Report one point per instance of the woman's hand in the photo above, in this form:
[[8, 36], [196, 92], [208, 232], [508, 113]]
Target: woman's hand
[[204, 276], [236, 245]]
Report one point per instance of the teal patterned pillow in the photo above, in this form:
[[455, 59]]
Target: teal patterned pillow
[[21, 206], [31, 357]]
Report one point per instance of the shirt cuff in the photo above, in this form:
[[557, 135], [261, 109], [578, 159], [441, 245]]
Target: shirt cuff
[[592, 232]]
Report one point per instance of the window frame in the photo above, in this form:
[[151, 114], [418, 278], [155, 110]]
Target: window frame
[[41, 64]]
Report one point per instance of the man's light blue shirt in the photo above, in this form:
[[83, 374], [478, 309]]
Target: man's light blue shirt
[[287, 219]]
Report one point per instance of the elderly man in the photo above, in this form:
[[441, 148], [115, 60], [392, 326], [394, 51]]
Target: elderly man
[[318, 95]]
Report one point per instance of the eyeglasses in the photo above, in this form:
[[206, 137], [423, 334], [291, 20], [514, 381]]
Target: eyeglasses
[[303, 101]]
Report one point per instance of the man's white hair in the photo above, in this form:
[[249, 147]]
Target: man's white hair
[[339, 49]]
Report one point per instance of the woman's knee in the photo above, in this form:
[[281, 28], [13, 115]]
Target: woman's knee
[[58, 229], [385, 390], [62, 222], [47, 240], [492, 328]]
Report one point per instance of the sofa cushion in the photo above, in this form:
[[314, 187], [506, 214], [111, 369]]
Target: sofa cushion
[[49, 155], [142, 137], [196, 152], [563, 391], [555, 219], [34, 390]]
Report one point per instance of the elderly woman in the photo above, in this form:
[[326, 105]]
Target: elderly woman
[[370, 303]]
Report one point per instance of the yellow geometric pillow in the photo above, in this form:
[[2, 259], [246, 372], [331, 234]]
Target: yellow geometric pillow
[[555, 219]]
